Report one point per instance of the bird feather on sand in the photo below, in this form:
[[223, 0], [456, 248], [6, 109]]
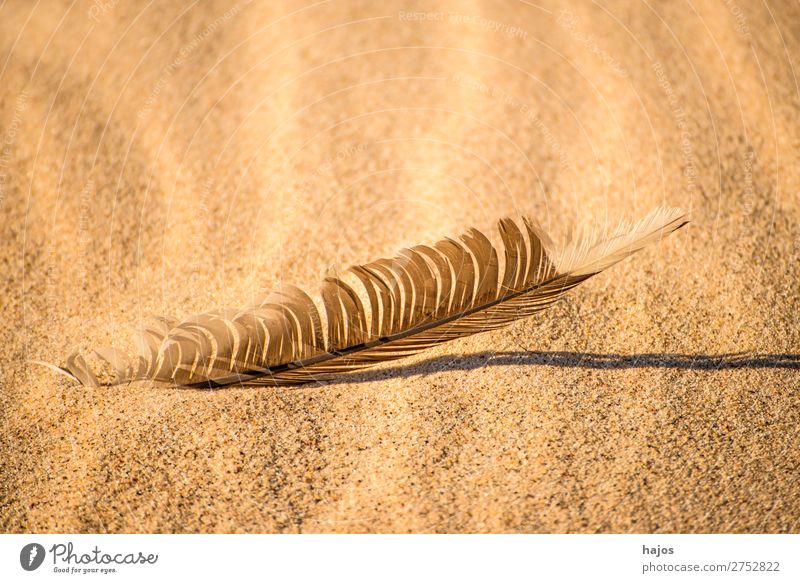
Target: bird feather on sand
[[424, 296]]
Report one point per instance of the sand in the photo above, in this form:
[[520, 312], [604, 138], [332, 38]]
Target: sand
[[169, 159]]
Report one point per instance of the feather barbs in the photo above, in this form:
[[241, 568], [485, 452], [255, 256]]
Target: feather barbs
[[379, 311]]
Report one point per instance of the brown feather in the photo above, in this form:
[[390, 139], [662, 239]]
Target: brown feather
[[421, 298]]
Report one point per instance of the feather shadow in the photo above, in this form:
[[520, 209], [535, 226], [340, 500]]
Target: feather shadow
[[607, 361]]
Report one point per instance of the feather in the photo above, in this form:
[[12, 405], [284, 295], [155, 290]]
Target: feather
[[423, 297]]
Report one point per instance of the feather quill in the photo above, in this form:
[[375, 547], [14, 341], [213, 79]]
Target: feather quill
[[425, 296]]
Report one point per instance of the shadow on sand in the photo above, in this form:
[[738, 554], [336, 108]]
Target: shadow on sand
[[581, 360]]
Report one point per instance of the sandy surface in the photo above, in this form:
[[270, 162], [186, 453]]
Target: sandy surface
[[166, 159]]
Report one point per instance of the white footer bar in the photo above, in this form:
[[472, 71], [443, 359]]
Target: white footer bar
[[374, 558]]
